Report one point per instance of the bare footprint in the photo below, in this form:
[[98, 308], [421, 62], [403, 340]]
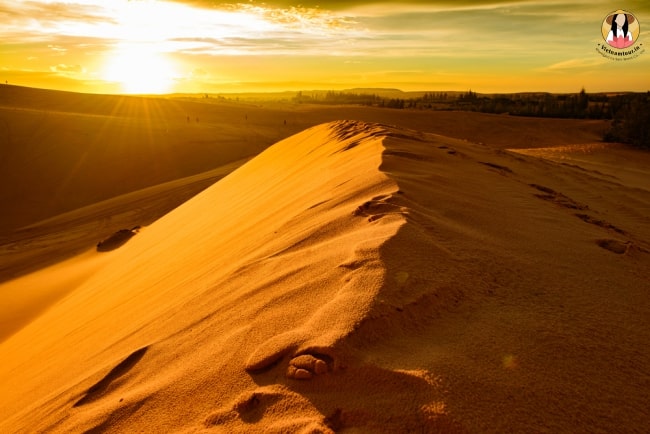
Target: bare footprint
[[305, 366], [302, 366], [249, 407], [312, 347], [268, 405]]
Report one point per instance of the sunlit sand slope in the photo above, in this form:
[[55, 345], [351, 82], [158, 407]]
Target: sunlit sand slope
[[66, 245], [364, 278], [55, 239]]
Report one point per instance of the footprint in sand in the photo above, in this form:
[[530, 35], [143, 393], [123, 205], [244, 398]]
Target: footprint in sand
[[601, 223], [271, 402], [310, 349], [302, 366], [615, 246], [379, 207], [305, 361], [102, 387], [249, 407], [305, 366], [117, 240], [500, 169], [557, 198]]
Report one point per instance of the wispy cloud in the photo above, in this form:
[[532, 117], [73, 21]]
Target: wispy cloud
[[388, 28], [64, 69], [420, 40], [171, 25], [574, 64]]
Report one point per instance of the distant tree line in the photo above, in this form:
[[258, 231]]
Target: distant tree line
[[580, 105], [631, 120], [332, 97], [629, 112], [367, 99], [577, 106]]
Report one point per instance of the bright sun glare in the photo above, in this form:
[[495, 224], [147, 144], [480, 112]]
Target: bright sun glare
[[139, 69], [137, 63]]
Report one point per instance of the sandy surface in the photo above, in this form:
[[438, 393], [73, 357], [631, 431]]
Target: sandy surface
[[23, 299], [354, 277], [65, 235]]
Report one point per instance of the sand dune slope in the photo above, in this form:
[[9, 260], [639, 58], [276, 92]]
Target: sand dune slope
[[53, 240], [60, 151], [363, 278], [55, 252]]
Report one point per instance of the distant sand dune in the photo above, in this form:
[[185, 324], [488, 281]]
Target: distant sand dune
[[357, 277]]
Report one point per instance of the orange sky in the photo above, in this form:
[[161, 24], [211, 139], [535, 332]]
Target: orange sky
[[148, 46]]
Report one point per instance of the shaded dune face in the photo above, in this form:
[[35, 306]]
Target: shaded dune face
[[359, 277]]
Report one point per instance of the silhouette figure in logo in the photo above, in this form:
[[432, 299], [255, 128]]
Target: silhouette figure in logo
[[619, 36]]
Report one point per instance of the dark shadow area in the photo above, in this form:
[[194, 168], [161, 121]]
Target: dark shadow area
[[98, 389], [117, 240]]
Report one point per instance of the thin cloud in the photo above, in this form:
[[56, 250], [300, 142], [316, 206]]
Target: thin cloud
[[574, 64], [48, 11], [508, 40], [62, 68], [57, 48], [418, 29]]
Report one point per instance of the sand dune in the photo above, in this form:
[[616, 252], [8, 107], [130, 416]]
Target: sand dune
[[364, 278], [609, 161], [60, 151], [75, 168], [65, 235], [58, 155]]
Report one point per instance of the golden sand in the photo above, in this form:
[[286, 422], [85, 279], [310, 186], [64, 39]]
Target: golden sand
[[353, 277]]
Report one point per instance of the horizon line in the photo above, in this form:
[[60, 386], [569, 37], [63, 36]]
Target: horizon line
[[286, 91]]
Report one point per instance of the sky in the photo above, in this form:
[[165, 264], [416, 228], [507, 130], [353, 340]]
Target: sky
[[206, 46]]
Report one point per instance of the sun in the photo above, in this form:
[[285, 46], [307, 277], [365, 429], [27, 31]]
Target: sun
[[139, 69]]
